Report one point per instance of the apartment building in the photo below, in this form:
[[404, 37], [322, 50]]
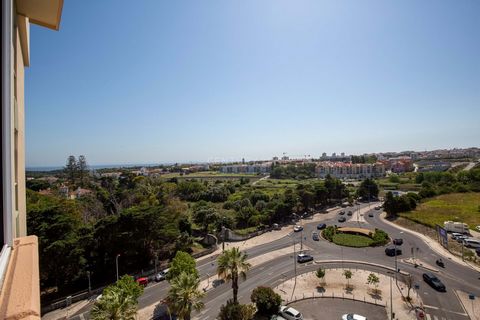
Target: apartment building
[[343, 170], [19, 274], [246, 168]]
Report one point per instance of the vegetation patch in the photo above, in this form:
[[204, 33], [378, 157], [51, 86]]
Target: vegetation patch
[[377, 238], [463, 207], [352, 240]]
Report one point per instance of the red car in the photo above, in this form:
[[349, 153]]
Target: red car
[[142, 281]]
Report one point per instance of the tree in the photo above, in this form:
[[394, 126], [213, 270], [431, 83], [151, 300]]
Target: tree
[[119, 301], [409, 281], [233, 264], [82, 170], [204, 215], [348, 275], [267, 301], [235, 311], [184, 296], [320, 273], [183, 262], [368, 189], [373, 279], [71, 169]]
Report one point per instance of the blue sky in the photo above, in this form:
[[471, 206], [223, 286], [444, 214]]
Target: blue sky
[[173, 81]]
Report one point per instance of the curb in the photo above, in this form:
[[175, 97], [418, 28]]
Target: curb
[[363, 263]]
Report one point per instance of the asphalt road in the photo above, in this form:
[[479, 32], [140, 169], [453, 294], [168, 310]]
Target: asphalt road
[[271, 273]]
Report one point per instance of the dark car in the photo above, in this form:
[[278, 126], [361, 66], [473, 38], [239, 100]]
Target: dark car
[[398, 242], [434, 282], [349, 213], [370, 215], [341, 213], [303, 257], [315, 236], [321, 226], [391, 252], [342, 219]]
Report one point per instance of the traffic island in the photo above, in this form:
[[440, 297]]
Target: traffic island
[[357, 285], [355, 237]]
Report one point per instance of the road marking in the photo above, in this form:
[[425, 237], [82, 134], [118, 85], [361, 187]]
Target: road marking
[[449, 311]]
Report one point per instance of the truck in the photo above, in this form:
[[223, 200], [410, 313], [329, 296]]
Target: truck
[[453, 226]]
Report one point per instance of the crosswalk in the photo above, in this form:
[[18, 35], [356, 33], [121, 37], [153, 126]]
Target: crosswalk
[[434, 317]]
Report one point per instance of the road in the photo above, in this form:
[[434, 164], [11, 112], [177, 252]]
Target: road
[[272, 272]]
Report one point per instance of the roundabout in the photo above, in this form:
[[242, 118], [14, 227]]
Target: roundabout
[[355, 237]]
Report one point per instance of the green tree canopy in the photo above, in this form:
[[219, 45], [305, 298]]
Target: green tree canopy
[[183, 262], [267, 301]]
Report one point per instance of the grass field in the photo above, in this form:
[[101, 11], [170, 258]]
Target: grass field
[[455, 206], [210, 175], [352, 240]]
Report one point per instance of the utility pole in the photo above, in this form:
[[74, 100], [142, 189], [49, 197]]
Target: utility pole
[[116, 263], [391, 297], [89, 285]]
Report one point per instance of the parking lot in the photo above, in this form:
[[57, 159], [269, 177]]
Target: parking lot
[[327, 308]]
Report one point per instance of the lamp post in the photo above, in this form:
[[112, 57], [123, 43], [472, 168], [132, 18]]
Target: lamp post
[[391, 297], [89, 284], [116, 263]]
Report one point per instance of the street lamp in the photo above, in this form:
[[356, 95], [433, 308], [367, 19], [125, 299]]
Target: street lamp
[[391, 297], [89, 285], [396, 266], [116, 263]]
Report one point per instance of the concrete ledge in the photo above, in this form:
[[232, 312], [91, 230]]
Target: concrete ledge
[[363, 263], [20, 296]]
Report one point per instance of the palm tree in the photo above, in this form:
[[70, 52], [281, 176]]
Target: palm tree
[[184, 295], [114, 305], [232, 264]]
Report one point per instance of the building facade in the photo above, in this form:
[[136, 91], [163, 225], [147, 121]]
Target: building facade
[[342, 170], [247, 168], [19, 274]]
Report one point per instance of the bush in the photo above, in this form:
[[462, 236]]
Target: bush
[[236, 311], [267, 301], [329, 232], [379, 238]]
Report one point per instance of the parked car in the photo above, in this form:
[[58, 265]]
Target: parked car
[[290, 313], [315, 236], [321, 226], [455, 235], [341, 213], [398, 242], [434, 282], [162, 275], [349, 213], [352, 316], [342, 219], [461, 238], [391, 252], [142, 281], [277, 317], [370, 214], [471, 243], [303, 257], [297, 228]]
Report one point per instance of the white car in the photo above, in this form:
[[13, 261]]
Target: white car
[[352, 316], [162, 275], [297, 228], [290, 314]]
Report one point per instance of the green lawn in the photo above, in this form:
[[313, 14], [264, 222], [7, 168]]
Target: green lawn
[[352, 240], [209, 175], [455, 206]]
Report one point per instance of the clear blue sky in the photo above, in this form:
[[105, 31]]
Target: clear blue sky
[[166, 81]]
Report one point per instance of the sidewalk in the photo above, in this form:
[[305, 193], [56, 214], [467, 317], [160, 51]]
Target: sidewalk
[[62, 313], [433, 244], [308, 286]]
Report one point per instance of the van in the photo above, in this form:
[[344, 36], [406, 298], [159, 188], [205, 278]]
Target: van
[[471, 243], [452, 226]]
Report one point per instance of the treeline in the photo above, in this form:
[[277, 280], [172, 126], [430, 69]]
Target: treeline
[[292, 171]]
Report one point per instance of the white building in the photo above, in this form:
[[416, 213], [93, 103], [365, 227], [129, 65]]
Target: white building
[[342, 170]]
